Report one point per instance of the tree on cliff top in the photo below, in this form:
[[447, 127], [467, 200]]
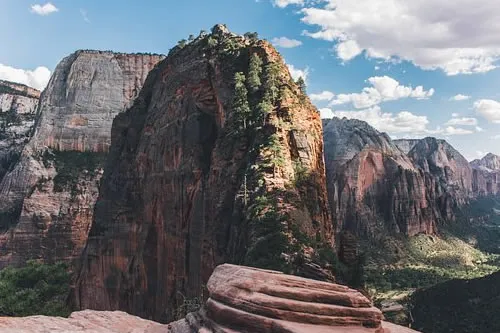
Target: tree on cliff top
[[241, 107]]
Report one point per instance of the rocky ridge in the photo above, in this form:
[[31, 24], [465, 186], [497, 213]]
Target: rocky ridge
[[18, 105], [47, 197], [241, 299], [215, 162], [373, 185]]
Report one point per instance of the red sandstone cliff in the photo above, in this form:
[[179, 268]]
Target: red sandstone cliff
[[47, 197], [193, 181]]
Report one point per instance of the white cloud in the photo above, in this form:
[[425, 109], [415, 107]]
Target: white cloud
[[383, 89], [286, 42], [450, 130], [296, 72], [44, 10], [322, 96], [284, 3], [348, 50], [402, 122], [84, 15], [457, 36], [479, 129], [454, 115], [462, 121], [489, 109], [37, 78], [377, 68], [326, 113], [459, 97], [496, 137]]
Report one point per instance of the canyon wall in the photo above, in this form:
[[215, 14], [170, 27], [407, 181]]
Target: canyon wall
[[220, 159], [18, 105], [48, 195]]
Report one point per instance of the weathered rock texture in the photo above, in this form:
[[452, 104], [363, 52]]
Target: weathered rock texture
[[244, 299], [373, 185], [193, 181], [403, 186], [18, 104], [47, 198], [241, 300], [83, 321], [486, 175]]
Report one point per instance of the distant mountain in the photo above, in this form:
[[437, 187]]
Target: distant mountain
[[490, 162]]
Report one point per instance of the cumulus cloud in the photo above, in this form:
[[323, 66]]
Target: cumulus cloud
[[284, 3], [454, 121], [459, 97], [489, 109], [37, 78], [286, 42], [383, 89], [496, 137], [322, 96], [457, 36], [402, 122], [44, 10], [296, 72]]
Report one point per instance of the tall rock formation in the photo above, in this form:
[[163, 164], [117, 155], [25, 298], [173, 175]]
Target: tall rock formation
[[373, 186], [18, 104], [486, 175], [47, 198], [206, 167]]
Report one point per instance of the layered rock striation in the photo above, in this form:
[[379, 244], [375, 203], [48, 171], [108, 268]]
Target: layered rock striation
[[220, 159], [18, 105], [243, 299], [47, 197], [374, 186]]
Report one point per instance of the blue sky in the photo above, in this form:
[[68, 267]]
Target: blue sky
[[397, 64]]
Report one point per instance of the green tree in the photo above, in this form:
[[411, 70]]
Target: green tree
[[271, 81], [182, 43], [302, 85], [255, 72], [251, 35], [191, 38], [241, 107]]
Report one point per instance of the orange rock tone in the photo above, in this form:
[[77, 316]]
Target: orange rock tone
[[171, 206]]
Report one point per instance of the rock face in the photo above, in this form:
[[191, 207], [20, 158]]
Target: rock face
[[373, 185], [83, 321], [243, 299], [18, 104], [47, 197], [486, 175], [195, 178]]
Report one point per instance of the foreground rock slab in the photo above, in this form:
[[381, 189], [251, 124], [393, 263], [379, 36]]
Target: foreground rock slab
[[83, 321], [244, 299]]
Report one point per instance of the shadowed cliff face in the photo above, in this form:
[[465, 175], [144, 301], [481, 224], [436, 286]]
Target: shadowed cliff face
[[373, 186], [47, 197], [18, 104], [193, 181]]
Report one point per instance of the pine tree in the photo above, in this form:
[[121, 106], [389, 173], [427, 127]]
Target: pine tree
[[241, 107], [271, 84], [182, 43], [302, 85], [191, 38], [254, 72]]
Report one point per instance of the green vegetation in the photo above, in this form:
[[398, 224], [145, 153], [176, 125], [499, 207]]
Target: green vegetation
[[190, 304], [241, 108], [254, 72], [302, 85], [70, 165], [36, 289]]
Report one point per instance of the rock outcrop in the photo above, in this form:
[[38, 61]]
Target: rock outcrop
[[47, 197], [241, 299], [486, 175], [18, 104], [205, 169], [373, 185], [83, 321]]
